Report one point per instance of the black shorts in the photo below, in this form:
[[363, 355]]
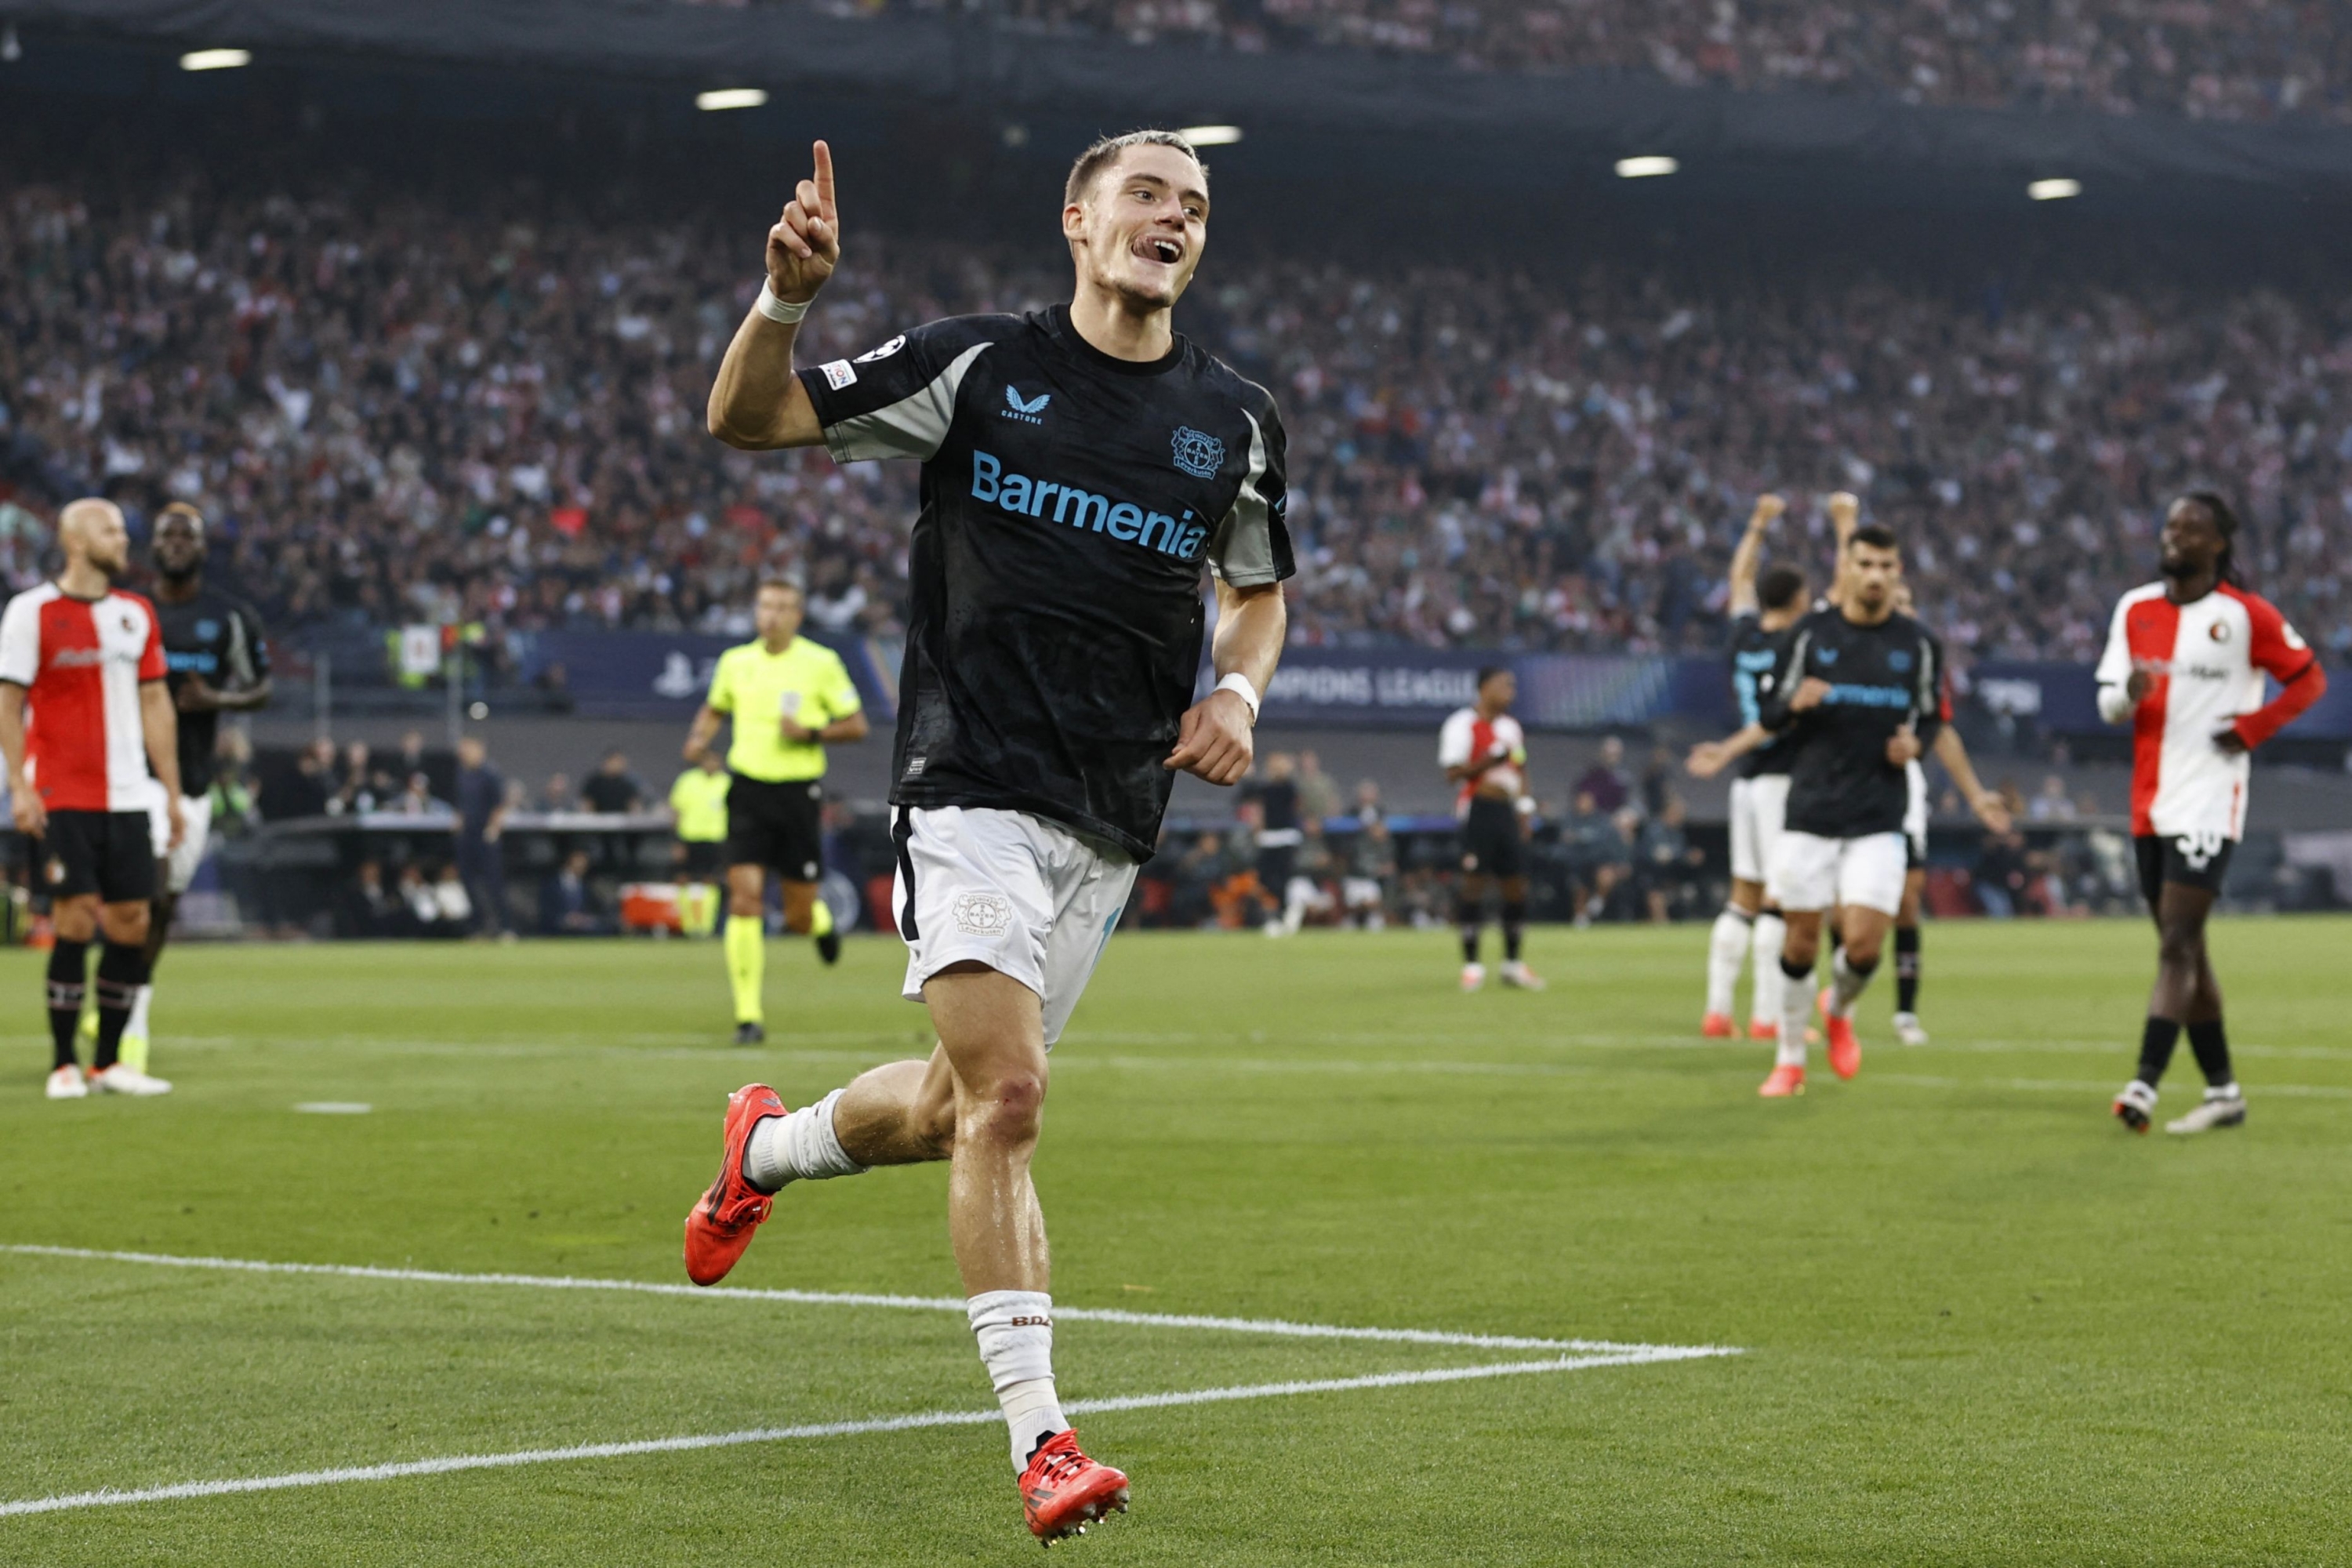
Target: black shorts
[[1491, 845], [110, 853], [705, 858], [778, 826], [2192, 859]]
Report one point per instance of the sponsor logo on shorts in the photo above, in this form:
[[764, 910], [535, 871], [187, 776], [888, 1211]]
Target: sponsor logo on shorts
[[57, 869], [982, 914]]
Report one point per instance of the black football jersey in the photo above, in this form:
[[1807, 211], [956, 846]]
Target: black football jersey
[[1069, 502], [1880, 677], [1754, 654], [218, 639]]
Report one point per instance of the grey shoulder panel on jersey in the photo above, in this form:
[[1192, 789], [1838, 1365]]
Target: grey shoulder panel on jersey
[[1242, 551], [914, 426]]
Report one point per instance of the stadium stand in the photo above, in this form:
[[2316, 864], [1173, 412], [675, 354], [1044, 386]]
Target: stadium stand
[[2232, 61], [400, 413]]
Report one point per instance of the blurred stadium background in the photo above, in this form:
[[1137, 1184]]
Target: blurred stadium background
[[422, 307]]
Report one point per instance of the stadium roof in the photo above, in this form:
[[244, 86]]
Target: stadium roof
[[972, 63]]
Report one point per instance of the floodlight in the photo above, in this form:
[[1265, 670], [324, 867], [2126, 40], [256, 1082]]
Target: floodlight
[[1648, 166], [215, 59], [732, 97]]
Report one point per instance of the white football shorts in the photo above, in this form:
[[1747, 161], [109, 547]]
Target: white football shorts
[[1028, 897], [1758, 808], [1809, 873], [197, 818], [1915, 811]]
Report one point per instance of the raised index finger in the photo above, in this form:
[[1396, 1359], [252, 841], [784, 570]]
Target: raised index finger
[[823, 180]]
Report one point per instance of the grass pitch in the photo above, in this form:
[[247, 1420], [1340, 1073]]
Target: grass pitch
[[1979, 1323]]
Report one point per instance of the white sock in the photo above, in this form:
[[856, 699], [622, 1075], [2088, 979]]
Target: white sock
[[1726, 948], [1771, 936], [799, 1146], [1845, 985], [1016, 1330], [1796, 1012], [137, 1028]]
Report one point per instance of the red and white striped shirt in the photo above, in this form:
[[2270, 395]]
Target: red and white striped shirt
[[80, 662], [2208, 659], [1467, 736]]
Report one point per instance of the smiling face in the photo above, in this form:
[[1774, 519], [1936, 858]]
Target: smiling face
[[1138, 231]]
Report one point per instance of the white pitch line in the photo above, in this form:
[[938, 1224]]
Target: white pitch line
[[955, 1304], [446, 1465]]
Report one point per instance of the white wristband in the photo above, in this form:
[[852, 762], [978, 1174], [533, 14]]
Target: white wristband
[[777, 309], [1239, 685]]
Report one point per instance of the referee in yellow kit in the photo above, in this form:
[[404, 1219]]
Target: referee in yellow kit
[[789, 699]]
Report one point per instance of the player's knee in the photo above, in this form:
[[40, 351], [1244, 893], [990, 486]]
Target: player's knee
[[2180, 944], [1009, 1109], [741, 905], [76, 920], [125, 923]]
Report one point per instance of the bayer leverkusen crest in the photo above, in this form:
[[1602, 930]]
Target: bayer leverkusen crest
[[1199, 454]]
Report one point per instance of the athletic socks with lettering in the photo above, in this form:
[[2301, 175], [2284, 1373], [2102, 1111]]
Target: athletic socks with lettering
[[1847, 980], [1726, 949], [746, 946], [68, 984], [121, 971], [1771, 936], [1515, 924], [1796, 1012], [1906, 969], [799, 1146], [1016, 1330]]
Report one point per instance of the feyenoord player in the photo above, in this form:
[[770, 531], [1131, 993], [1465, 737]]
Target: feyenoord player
[[1080, 465], [2184, 665], [84, 714], [1862, 691], [1762, 609], [790, 698], [1485, 752], [216, 661]]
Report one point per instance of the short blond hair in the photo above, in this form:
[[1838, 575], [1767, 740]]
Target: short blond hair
[[1106, 151]]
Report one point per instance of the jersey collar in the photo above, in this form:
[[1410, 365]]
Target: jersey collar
[[1057, 324]]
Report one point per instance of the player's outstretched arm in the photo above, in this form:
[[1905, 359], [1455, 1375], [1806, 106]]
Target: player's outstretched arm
[[1845, 516], [1750, 553], [756, 402], [1989, 808], [24, 802], [1709, 758], [159, 722], [1213, 741]]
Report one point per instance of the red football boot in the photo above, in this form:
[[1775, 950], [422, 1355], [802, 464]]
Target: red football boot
[[721, 1225], [1845, 1051], [1763, 1030], [1788, 1080], [1063, 1491], [1715, 1027]]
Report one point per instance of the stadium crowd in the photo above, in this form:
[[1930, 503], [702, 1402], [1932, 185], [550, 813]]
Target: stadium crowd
[[395, 413], [2220, 60]]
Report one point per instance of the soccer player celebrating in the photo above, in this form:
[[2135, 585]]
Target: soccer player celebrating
[[1861, 691], [790, 698], [1762, 611], [1484, 751], [216, 661], [2184, 665], [1080, 465], [81, 697]]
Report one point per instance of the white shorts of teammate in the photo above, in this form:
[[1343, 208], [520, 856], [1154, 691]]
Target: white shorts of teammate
[[197, 823], [1809, 873], [1028, 897], [1757, 806], [1915, 811]]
